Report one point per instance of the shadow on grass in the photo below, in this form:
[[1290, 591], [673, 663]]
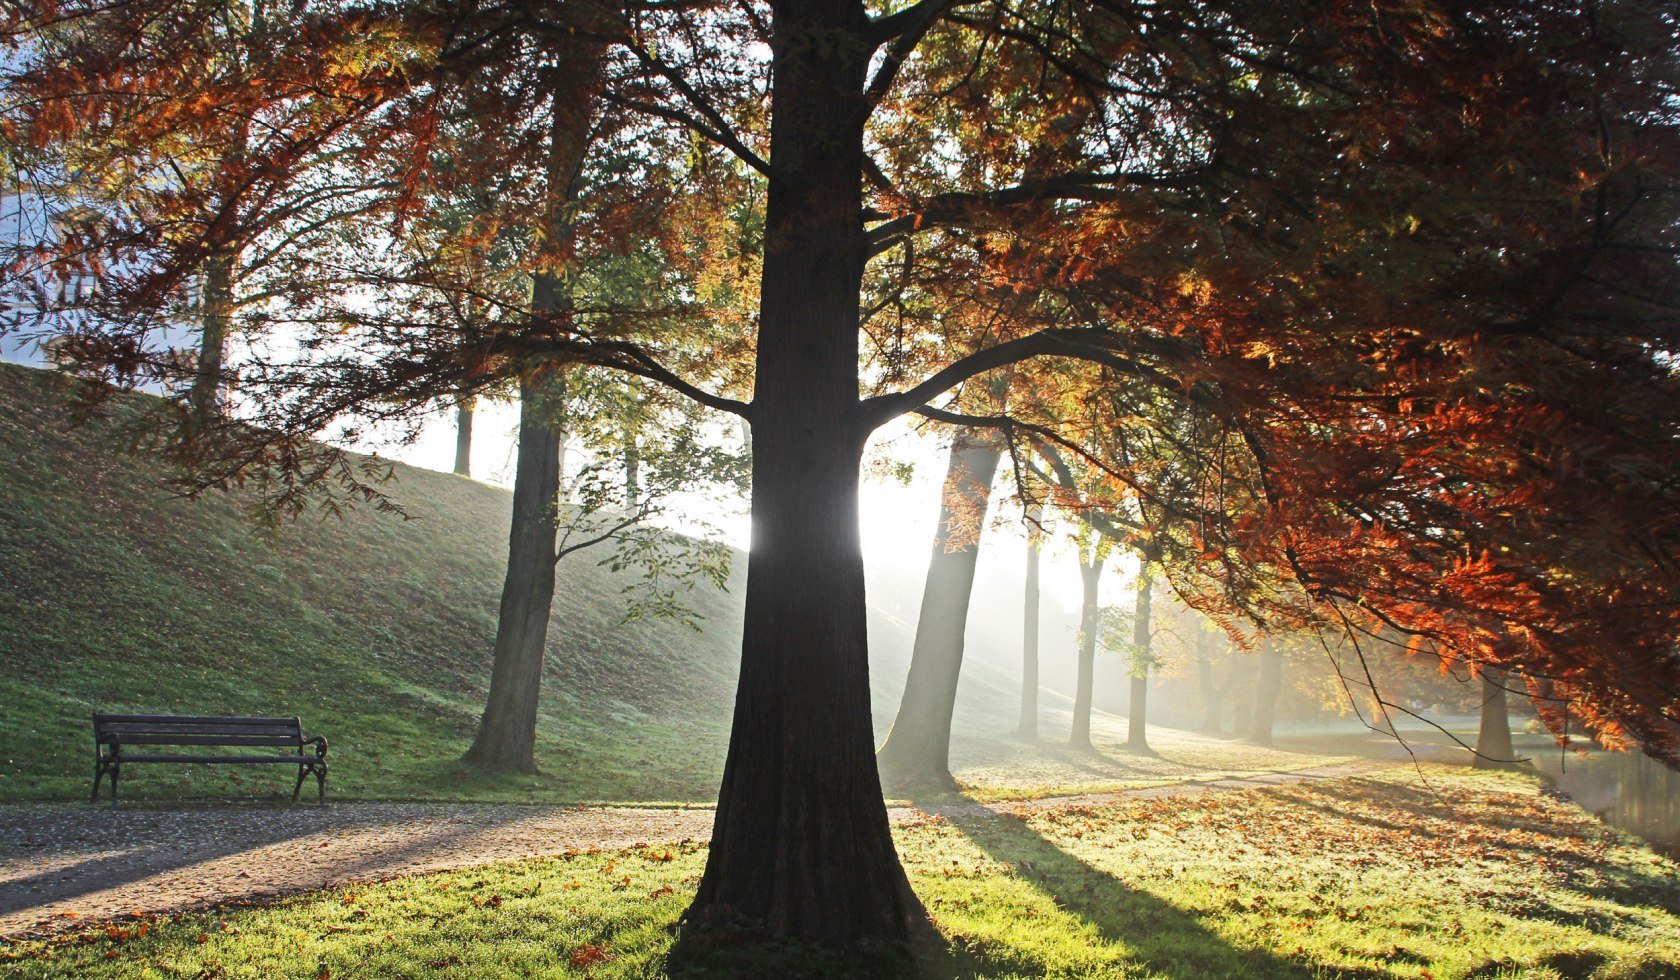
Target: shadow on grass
[[1154, 936], [1157, 934]]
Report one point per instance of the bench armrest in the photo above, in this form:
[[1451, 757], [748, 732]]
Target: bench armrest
[[320, 743]]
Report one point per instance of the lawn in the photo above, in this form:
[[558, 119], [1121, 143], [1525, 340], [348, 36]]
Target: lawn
[[1447, 873]]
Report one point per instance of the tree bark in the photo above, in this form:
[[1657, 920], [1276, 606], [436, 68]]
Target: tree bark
[[1493, 740], [1090, 574], [1027, 727], [1137, 715], [918, 748], [800, 844], [1266, 689], [507, 732], [463, 436], [204, 399]]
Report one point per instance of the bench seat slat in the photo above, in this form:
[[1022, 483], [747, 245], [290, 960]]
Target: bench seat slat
[[197, 730], [166, 739], [293, 759]]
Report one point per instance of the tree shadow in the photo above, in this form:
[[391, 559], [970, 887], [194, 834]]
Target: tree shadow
[[1589, 870], [1155, 934], [1092, 758], [1165, 938], [149, 841]]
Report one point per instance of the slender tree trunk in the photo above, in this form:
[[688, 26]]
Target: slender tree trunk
[[507, 733], [1493, 741], [918, 748], [632, 472], [800, 845], [1213, 692], [463, 436], [1090, 575], [205, 397], [1137, 715], [1027, 727], [1205, 685], [1266, 689]]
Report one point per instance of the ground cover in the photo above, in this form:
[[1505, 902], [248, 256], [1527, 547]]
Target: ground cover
[[1439, 873]]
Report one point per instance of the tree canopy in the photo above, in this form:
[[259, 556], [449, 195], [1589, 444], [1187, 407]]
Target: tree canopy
[[1391, 287]]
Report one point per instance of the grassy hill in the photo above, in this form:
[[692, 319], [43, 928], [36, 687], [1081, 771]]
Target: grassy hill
[[377, 631]]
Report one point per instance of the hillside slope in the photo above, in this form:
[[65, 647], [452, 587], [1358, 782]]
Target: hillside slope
[[375, 630]]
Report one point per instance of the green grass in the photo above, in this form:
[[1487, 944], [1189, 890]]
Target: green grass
[[1467, 875], [375, 630]]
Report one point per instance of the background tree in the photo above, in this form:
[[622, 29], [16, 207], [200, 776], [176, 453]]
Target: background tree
[[1027, 727], [918, 747]]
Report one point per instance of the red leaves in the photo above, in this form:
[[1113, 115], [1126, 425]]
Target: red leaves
[[588, 955]]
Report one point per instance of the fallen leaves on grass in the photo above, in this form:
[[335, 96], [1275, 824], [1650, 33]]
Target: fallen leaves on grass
[[589, 955]]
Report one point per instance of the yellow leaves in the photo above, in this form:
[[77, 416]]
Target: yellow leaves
[[1259, 350], [1195, 288]]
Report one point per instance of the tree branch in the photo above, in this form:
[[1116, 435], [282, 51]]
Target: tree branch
[[1082, 343], [957, 207]]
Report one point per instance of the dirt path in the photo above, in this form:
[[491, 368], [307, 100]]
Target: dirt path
[[64, 865]]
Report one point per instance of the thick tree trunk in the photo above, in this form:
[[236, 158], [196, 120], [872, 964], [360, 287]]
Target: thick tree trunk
[[1266, 689], [507, 733], [1209, 690], [463, 436], [1090, 575], [204, 399], [1027, 727], [1137, 715], [1241, 712], [801, 846], [918, 748], [1493, 741]]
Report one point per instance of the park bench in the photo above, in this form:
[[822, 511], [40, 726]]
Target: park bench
[[116, 738]]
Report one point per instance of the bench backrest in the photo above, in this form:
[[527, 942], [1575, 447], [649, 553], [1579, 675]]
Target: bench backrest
[[195, 730]]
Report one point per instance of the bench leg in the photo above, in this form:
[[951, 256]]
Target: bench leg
[[298, 788], [321, 785], [116, 771], [98, 774]]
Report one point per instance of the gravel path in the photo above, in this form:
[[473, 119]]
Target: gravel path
[[64, 865]]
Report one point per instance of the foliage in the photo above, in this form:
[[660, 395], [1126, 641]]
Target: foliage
[[1391, 286]]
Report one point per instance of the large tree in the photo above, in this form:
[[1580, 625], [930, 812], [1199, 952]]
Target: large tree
[[1415, 259]]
